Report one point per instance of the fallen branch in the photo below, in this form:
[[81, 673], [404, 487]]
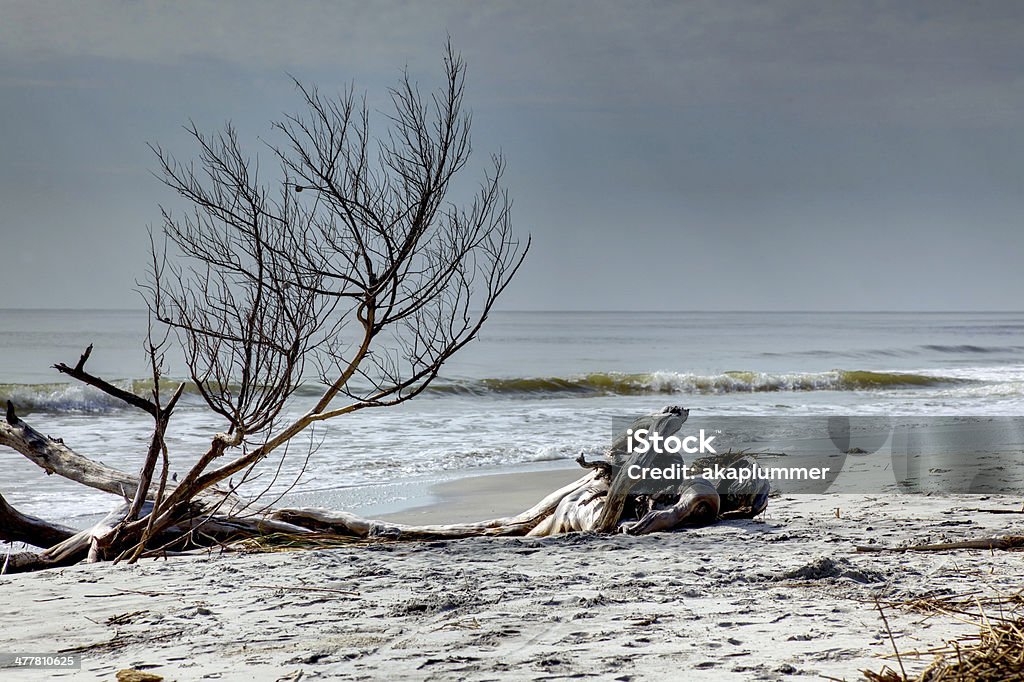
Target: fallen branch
[[78, 372], [1004, 542], [54, 457], [599, 501], [18, 527]]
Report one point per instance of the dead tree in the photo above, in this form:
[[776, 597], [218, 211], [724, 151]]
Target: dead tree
[[353, 265]]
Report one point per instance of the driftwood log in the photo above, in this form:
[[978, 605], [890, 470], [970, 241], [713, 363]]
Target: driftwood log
[[1004, 542], [605, 499]]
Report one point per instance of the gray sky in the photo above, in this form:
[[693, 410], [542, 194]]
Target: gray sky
[[694, 155]]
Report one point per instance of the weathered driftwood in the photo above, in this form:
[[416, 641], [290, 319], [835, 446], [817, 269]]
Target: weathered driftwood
[[1003, 542], [602, 500], [56, 458], [18, 527], [70, 550]]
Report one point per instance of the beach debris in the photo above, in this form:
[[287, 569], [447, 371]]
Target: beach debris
[[606, 499], [133, 675], [825, 567], [124, 618], [996, 511], [994, 654], [1001, 542]]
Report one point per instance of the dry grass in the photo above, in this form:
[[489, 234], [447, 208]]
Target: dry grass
[[994, 654]]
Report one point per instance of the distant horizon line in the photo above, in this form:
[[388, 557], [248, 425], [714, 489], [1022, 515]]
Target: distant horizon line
[[610, 310]]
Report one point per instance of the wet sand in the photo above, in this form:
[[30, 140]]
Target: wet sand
[[485, 497]]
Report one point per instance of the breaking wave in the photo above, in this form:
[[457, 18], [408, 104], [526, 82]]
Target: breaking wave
[[966, 348], [63, 397], [80, 398], [85, 399], [615, 383]]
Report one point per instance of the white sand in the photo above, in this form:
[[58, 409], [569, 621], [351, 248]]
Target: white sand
[[781, 597]]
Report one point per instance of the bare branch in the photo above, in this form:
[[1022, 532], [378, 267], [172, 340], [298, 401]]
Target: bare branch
[[78, 372]]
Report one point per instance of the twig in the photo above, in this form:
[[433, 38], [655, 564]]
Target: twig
[[892, 639], [304, 587]]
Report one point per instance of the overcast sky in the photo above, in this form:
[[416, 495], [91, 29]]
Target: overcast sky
[[691, 155]]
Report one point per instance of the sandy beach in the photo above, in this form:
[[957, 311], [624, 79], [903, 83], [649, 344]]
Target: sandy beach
[[417, 341], [782, 596]]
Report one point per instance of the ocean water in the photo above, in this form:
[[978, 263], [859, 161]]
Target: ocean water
[[532, 392]]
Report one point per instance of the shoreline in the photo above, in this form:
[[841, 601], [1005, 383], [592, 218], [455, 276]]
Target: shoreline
[[484, 496], [451, 496]]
